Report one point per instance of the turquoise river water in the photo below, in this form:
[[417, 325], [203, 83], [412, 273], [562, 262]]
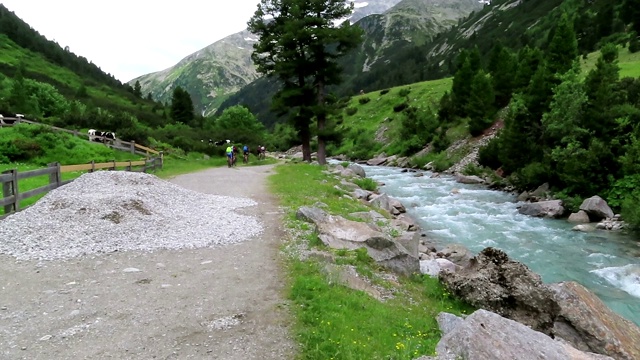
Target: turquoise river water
[[607, 263]]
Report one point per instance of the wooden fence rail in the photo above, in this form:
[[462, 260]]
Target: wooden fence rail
[[11, 195]]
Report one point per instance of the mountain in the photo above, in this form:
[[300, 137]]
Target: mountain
[[212, 74], [409, 24], [209, 75]]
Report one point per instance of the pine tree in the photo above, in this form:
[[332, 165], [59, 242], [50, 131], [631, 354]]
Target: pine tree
[[182, 106], [528, 61], [563, 48], [601, 88], [137, 89], [480, 105], [299, 44], [461, 87], [502, 67]]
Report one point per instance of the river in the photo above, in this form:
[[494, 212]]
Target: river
[[607, 263]]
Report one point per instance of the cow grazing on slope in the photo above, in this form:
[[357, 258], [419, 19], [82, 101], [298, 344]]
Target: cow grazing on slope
[[221, 142], [101, 136]]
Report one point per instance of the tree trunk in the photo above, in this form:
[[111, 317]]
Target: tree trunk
[[305, 137], [321, 119]]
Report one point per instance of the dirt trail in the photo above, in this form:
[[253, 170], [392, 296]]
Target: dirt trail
[[213, 303]]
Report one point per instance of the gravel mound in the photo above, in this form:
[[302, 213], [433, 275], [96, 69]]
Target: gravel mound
[[109, 211]]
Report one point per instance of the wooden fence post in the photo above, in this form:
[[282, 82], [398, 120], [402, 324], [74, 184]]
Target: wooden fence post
[[114, 165], [8, 189], [55, 177], [128, 168], [161, 159], [93, 166], [133, 146]]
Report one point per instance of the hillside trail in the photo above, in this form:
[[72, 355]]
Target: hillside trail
[[210, 303]]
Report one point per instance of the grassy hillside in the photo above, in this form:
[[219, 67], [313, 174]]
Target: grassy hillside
[[68, 83], [629, 63], [373, 113], [365, 120]]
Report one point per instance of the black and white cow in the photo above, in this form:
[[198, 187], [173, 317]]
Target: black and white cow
[[101, 136], [221, 142]]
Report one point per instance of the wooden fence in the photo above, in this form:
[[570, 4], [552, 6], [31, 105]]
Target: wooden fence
[[129, 146], [11, 196]]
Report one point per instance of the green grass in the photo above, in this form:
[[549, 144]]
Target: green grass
[[629, 63], [378, 112], [62, 78], [301, 184], [336, 322]]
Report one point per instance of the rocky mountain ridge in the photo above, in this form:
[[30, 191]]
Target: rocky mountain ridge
[[224, 67]]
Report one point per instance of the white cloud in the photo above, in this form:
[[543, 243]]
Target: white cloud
[[129, 38]]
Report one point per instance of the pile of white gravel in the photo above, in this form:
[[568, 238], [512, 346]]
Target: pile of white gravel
[[109, 211]]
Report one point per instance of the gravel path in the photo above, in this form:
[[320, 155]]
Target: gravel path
[[159, 294]]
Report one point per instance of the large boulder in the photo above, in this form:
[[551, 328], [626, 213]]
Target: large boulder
[[485, 335], [358, 170], [494, 282], [339, 233], [589, 325], [391, 205], [597, 208], [377, 161], [456, 253], [580, 217], [546, 209], [469, 179]]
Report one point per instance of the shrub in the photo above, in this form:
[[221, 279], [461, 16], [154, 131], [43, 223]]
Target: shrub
[[382, 92], [351, 111], [400, 107], [472, 169], [634, 44], [404, 92], [366, 183], [630, 209], [489, 154], [532, 175], [364, 100]]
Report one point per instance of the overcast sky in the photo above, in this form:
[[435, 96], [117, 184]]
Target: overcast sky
[[129, 38]]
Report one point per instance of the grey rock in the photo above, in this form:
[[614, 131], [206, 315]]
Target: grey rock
[[448, 322], [358, 170], [340, 233], [486, 335], [586, 322], [466, 179], [580, 217], [494, 282], [377, 161], [541, 191], [457, 253], [546, 209], [361, 194], [584, 228], [524, 196], [597, 208], [311, 214]]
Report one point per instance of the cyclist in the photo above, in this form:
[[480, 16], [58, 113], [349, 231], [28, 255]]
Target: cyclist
[[245, 150], [235, 158], [261, 152], [230, 156]]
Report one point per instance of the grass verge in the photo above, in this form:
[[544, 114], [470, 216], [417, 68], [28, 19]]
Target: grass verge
[[333, 321]]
